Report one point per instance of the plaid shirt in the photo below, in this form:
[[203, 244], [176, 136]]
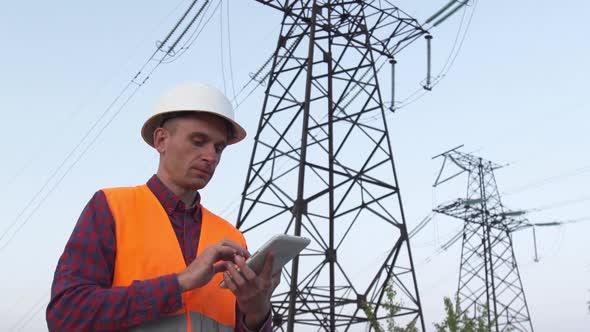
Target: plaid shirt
[[82, 298]]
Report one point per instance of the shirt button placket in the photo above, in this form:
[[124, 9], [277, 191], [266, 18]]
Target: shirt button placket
[[187, 243]]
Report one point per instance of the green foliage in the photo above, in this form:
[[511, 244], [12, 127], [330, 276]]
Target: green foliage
[[391, 307], [456, 321]]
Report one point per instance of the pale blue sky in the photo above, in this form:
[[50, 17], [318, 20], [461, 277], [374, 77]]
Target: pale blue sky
[[517, 94]]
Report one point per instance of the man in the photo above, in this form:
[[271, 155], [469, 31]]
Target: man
[[151, 258]]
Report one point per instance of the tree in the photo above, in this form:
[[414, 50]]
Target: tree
[[392, 307], [456, 320]]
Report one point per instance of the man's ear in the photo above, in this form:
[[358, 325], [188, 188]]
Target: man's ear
[[161, 136]]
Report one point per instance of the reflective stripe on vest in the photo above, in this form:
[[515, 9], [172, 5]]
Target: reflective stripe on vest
[[147, 247], [178, 323]]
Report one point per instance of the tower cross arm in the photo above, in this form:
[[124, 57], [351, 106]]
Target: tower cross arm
[[389, 29], [376, 24]]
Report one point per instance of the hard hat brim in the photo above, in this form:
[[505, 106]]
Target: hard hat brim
[[154, 122]]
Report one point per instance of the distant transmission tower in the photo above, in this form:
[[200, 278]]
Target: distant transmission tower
[[322, 167], [489, 278]]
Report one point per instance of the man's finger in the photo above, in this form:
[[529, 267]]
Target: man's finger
[[229, 282], [240, 250], [245, 269], [219, 267], [235, 275], [223, 253]]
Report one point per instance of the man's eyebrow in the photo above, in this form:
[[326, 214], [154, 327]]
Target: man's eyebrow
[[199, 135], [204, 136]]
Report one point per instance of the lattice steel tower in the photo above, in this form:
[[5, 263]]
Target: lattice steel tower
[[489, 276], [322, 165]]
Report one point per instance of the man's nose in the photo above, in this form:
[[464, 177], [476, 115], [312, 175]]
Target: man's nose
[[210, 154]]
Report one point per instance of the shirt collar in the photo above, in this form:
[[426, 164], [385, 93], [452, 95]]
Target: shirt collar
[[169, 200]]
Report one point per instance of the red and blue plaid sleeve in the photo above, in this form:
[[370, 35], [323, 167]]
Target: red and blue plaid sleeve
[[82, 298]]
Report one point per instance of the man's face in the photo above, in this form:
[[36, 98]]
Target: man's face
[[190, 149]]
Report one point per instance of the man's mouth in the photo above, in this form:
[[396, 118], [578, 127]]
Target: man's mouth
[[202, 171]]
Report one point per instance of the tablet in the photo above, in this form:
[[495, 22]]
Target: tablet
[[284, 247]]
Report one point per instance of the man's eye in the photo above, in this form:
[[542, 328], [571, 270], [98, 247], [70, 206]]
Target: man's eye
[[198, 143]]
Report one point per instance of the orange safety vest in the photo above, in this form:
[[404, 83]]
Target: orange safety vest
[[147, 247]]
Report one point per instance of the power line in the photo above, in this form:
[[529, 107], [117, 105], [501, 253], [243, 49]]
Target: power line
[[559, 204], [172, 48], [256, 76], [450, 59], [253, 78], [281, 142], [222, 57], [455, 49], [229, 42], [78, 109], [444, 247], [31, 313], [64, 162], [197, 31], [557, 222], [421, 225], [458, 235], [549, 180], [420, 92], [130, 90], [82, 140], [58, 182]]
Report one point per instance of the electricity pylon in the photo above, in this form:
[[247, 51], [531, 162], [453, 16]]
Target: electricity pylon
[[323, 168], [489, 280]]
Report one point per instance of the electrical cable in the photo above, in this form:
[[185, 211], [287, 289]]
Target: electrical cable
[[229, 48], [197, 31], [420, 92], [131, 88], [549, 180], [28, 316], [449, 243], [253, 78], [558, 204], [78, 109], [222, 57], [58, 182], [421, 225]]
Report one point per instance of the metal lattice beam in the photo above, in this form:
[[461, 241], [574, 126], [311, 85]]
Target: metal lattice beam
[[319, 169], [489, 278]]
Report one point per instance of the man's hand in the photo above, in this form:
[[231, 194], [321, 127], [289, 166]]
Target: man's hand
[[253, 292], [211, 261]]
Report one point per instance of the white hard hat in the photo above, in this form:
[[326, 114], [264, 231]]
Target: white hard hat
[[192, 97]]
